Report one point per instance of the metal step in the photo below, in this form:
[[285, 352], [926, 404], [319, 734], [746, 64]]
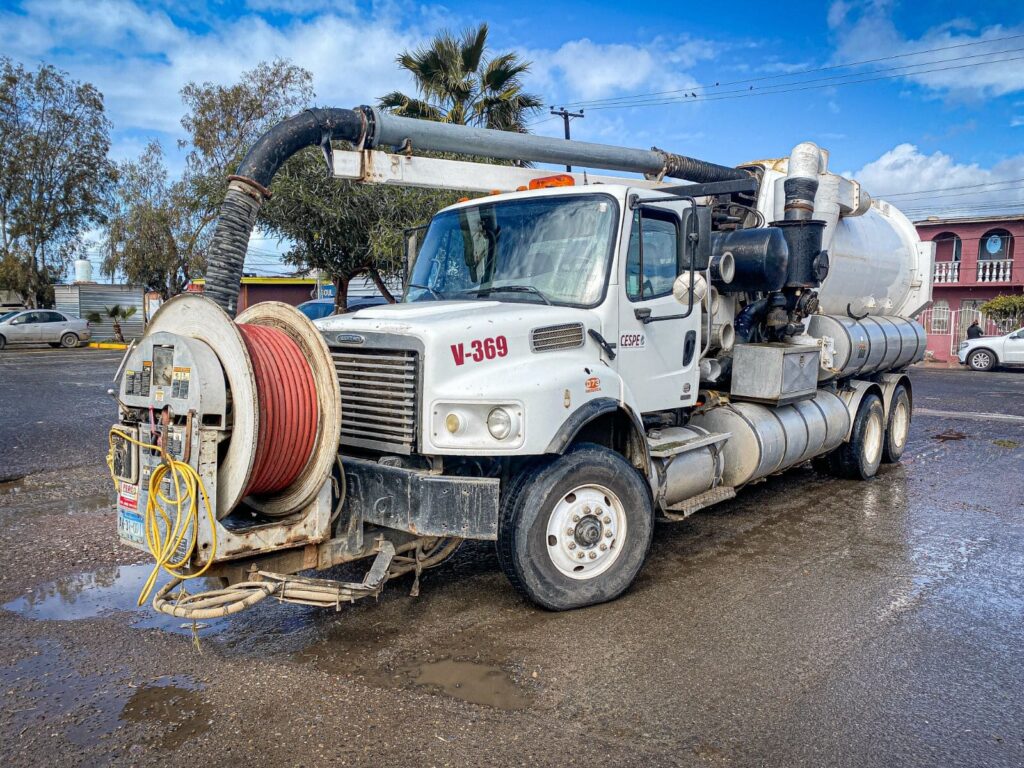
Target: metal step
[[672, 449], [683, 509]]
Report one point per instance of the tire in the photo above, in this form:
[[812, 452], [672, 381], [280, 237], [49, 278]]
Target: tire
[[3, 342], [859, 458], [897, 426], [981, 360], [603, 500], [69, 341]]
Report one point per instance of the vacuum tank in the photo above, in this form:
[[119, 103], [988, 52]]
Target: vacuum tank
[[877, 264]]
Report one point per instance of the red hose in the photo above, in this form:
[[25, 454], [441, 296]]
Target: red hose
[[288, 408]]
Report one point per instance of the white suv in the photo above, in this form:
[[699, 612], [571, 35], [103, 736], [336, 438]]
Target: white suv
[[986, 352]]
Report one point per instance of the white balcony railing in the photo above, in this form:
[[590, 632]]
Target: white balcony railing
[[946, 272], [995, 271]]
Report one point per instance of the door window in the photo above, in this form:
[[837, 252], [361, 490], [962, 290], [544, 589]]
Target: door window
[[52, 317], [660, 255]]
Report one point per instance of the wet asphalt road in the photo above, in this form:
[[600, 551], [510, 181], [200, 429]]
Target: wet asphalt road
[[808, 622], [53, 403]]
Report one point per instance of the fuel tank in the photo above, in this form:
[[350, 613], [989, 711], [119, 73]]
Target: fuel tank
[[764, 440]]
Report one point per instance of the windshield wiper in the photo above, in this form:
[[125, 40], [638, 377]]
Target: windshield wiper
[[514, 289], [434, 294]]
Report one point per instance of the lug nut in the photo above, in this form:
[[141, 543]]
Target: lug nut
[[570, 531], [572, 545], [575, 518], [579, 555], [607, 521], [604, 547], [586, 509], [592, 555], [607, 534]]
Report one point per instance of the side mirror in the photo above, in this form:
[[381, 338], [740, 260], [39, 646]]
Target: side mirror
[[696, 241]]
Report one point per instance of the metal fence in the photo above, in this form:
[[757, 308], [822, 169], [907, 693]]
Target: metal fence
[[953, 324]]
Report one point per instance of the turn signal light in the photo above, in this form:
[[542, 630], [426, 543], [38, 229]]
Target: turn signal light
[[558, 180]]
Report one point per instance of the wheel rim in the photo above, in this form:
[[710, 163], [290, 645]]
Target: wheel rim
[[982, 360], [900, 424], [873, 438], [585, 532]]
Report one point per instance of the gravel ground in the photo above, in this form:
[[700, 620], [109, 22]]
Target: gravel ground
[[808, 622]]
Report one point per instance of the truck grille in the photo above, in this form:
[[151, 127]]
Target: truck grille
[[552, 337], [378, 397]]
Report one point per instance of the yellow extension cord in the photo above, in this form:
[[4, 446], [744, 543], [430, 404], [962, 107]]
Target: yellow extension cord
[[162, 544]]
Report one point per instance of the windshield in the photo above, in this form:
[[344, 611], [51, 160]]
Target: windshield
[[8, 315], [551, 250]]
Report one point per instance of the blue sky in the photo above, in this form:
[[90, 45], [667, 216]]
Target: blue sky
[[906, 129]]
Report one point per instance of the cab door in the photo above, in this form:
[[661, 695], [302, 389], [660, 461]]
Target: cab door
[[657, 348]]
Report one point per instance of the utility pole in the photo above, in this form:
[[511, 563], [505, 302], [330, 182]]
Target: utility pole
[[566, 115]]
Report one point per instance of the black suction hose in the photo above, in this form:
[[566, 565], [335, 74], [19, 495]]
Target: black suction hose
[[247, 190]]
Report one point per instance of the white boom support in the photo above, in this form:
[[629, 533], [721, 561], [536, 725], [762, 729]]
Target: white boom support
[[375, 167]]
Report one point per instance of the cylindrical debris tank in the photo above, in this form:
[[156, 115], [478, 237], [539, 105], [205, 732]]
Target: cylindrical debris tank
[[866, 345]]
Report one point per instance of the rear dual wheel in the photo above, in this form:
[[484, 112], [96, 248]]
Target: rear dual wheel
[[860, 456], [575, 530]]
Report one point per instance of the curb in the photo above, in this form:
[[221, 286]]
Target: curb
[[107, 345]]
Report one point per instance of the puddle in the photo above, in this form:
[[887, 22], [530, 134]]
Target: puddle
[[949, 434], [46, 693], [173, 703], [470, 681], [103, 592], [45, 689]]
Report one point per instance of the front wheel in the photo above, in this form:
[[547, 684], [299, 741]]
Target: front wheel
[[575, 530], [981, 360]]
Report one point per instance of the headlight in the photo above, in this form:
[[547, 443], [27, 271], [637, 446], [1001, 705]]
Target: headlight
[[963, 344], [499, 423]]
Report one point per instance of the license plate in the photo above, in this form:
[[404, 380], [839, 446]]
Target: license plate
[[130, 526]]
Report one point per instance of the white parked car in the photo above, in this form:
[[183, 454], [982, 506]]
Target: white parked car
[[36, 326], [986, 352]]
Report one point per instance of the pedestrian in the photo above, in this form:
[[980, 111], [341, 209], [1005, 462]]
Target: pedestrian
[[974, 331]]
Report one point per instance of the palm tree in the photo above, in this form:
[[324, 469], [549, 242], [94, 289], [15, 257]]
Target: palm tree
[[458, 83], [116, 313]]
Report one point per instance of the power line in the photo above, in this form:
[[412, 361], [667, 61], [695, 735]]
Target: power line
[[943, 189], [799, 72], [665, 102]]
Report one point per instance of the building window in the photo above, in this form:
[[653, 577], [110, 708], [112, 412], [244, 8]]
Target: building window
[[996, 245], [948, 247]]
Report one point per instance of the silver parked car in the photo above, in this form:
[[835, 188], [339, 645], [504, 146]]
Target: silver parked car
[[36, 326], [986, 352]]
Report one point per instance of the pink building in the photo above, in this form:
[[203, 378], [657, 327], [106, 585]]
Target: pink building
[[976, 259]]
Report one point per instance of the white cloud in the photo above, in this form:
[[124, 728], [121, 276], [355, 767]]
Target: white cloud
[[936, 184], [582, 69], [865, 30], [140, 59], [1017, 121]]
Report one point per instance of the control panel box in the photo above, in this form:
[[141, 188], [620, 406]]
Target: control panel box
[[774, 374]]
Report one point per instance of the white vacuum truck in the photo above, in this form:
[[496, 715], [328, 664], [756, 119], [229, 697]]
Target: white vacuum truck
[[574, 357]]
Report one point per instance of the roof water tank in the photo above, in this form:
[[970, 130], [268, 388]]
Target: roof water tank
[[83, 271]]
